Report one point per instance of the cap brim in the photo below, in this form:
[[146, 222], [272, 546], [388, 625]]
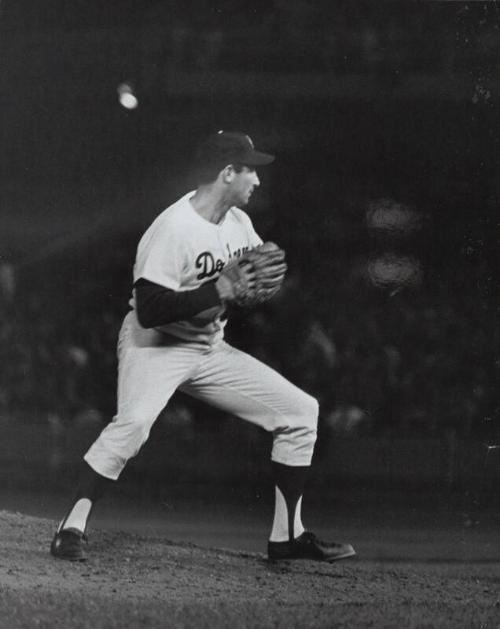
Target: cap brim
[[256, 158]]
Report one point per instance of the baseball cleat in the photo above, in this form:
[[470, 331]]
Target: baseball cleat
[[68, 544], [308, 546]]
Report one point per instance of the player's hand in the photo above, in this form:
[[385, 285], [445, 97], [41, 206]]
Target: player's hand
[[236, 281]]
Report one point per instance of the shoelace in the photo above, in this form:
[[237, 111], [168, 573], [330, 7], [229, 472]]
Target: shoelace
[[311, 538]]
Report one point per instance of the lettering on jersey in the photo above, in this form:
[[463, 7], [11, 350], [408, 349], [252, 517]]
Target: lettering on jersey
[[209, 266], [236, 254]]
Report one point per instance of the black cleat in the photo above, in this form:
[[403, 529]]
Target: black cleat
[[308, 546], [68, 544]]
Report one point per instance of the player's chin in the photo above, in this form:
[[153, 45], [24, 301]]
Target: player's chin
[[248, 197]]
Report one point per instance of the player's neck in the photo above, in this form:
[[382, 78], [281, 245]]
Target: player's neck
[[210, 204]]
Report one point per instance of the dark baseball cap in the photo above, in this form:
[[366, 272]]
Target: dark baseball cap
[[224, 147]]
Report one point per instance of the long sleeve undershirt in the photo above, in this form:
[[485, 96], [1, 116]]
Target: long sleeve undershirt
[[157, 305]]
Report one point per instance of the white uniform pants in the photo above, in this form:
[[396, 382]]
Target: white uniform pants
[[152, 366]]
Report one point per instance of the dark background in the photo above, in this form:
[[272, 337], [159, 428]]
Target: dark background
[[385, 121]]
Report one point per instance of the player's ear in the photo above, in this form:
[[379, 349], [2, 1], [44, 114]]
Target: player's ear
[[228, 173]]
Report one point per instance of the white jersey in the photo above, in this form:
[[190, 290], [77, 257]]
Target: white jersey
[[182, 251]]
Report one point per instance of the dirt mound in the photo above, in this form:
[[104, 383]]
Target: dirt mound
[[134, 581]]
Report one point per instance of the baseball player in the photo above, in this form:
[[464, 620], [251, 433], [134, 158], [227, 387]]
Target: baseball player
[[200, 255]]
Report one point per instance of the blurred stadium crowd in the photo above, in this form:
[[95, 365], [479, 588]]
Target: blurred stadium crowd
[[388, 356], [349, 37]]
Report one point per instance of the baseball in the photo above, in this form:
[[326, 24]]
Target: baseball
[[269, 246]]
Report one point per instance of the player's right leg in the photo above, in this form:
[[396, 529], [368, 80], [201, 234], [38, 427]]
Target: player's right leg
[[150, 368], [243, 386]]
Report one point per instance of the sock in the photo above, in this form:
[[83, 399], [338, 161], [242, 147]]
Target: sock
[[280, 531], [78, 515], [90, 488], [290, 481]]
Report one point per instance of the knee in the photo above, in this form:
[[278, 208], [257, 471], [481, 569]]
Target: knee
[[310, 429], [126, 435], [304, 418], [294, 440], [313, 408], [307, 412]]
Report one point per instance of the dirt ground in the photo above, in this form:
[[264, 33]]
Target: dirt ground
[[133, 580]]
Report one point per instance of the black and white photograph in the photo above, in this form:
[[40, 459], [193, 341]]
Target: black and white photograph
[[249, 316]]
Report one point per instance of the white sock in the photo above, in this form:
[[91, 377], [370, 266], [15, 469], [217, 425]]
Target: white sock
[[279, 531], [78, 516]]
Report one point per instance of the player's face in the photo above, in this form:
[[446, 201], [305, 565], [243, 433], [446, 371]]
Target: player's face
[[243, 185]]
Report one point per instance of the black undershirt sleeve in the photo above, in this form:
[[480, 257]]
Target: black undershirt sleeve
[[157, 305]]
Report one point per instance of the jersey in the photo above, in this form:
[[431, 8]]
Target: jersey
[[181, 251]]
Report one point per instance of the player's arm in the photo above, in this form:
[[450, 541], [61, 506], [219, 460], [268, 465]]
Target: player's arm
[[157, 305]]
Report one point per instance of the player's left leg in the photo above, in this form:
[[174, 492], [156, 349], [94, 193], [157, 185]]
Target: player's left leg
[[67, 541], [241, 385], [150, 367]]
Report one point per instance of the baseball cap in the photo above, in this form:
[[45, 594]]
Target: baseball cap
[[224, 147]]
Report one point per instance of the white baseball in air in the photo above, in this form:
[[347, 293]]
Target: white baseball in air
[[126, 96], [129, 101]]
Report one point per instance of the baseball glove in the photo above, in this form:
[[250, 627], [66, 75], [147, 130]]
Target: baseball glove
[[254, 277]]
